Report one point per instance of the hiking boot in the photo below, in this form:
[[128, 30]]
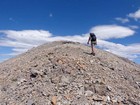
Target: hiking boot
[[93, 54]]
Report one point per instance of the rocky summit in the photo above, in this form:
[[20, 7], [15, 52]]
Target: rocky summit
[[65, 73]]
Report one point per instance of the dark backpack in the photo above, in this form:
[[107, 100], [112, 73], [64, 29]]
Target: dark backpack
[[93, 37]]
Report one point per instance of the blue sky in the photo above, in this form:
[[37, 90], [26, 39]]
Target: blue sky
[[28, 23]]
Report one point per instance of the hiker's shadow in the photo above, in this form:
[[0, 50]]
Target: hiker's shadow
[[87, 53]]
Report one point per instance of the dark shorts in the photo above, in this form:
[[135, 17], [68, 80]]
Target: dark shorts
[[94, 42]]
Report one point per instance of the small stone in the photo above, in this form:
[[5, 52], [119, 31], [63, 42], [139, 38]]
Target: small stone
[[112, 68], [68, 96], [88, 93], [54, 99], [108, 98], [97, 98], [109, 88], [55, 80], [33, 75], [34, 64], [97, 103], [43, 94], [65, 79], [30, 102], [60, 61], [91, 61], [114, 100], [21, 81], [138, 83], [1, 93], [80, 101], [99, 81], [81, 91], [100, 89]]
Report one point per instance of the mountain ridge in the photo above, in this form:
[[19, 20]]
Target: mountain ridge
[[64, 72]]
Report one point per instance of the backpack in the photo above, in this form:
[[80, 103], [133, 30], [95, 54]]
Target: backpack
[[93, 37]]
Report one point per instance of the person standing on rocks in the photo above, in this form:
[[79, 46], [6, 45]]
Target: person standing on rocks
[[92, 39]]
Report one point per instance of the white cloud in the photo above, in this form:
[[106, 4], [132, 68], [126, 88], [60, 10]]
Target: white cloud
[[134, 27], [135, 15], [123, 20], [131, 51], [112, 31], [27, 36], [21, 41]]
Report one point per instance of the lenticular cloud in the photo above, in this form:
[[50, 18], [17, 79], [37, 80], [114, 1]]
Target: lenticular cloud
[[112, 31]]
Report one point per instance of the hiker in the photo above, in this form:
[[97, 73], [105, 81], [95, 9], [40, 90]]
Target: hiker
[[92, 39]]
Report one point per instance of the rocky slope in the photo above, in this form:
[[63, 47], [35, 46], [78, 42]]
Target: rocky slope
[[64, 73]]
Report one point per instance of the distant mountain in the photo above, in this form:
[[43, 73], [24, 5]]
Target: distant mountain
[[65, 73]]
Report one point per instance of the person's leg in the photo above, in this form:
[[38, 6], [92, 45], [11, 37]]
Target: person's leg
[[92, 48]]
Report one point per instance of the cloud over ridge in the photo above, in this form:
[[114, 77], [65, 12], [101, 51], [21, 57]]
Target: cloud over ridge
[[21, 41], [112, 31]]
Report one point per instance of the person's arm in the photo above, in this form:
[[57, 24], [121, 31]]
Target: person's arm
[[88, 40]]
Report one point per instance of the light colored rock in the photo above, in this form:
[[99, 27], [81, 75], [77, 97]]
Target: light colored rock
[[91, 61], [98, 98], [97, 103], [30, 102], [81, 91], [80, 101], [65, 79], [54, 100], [88, 93], [109, 88], [21, 80], [100, 89], [108, 98]]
